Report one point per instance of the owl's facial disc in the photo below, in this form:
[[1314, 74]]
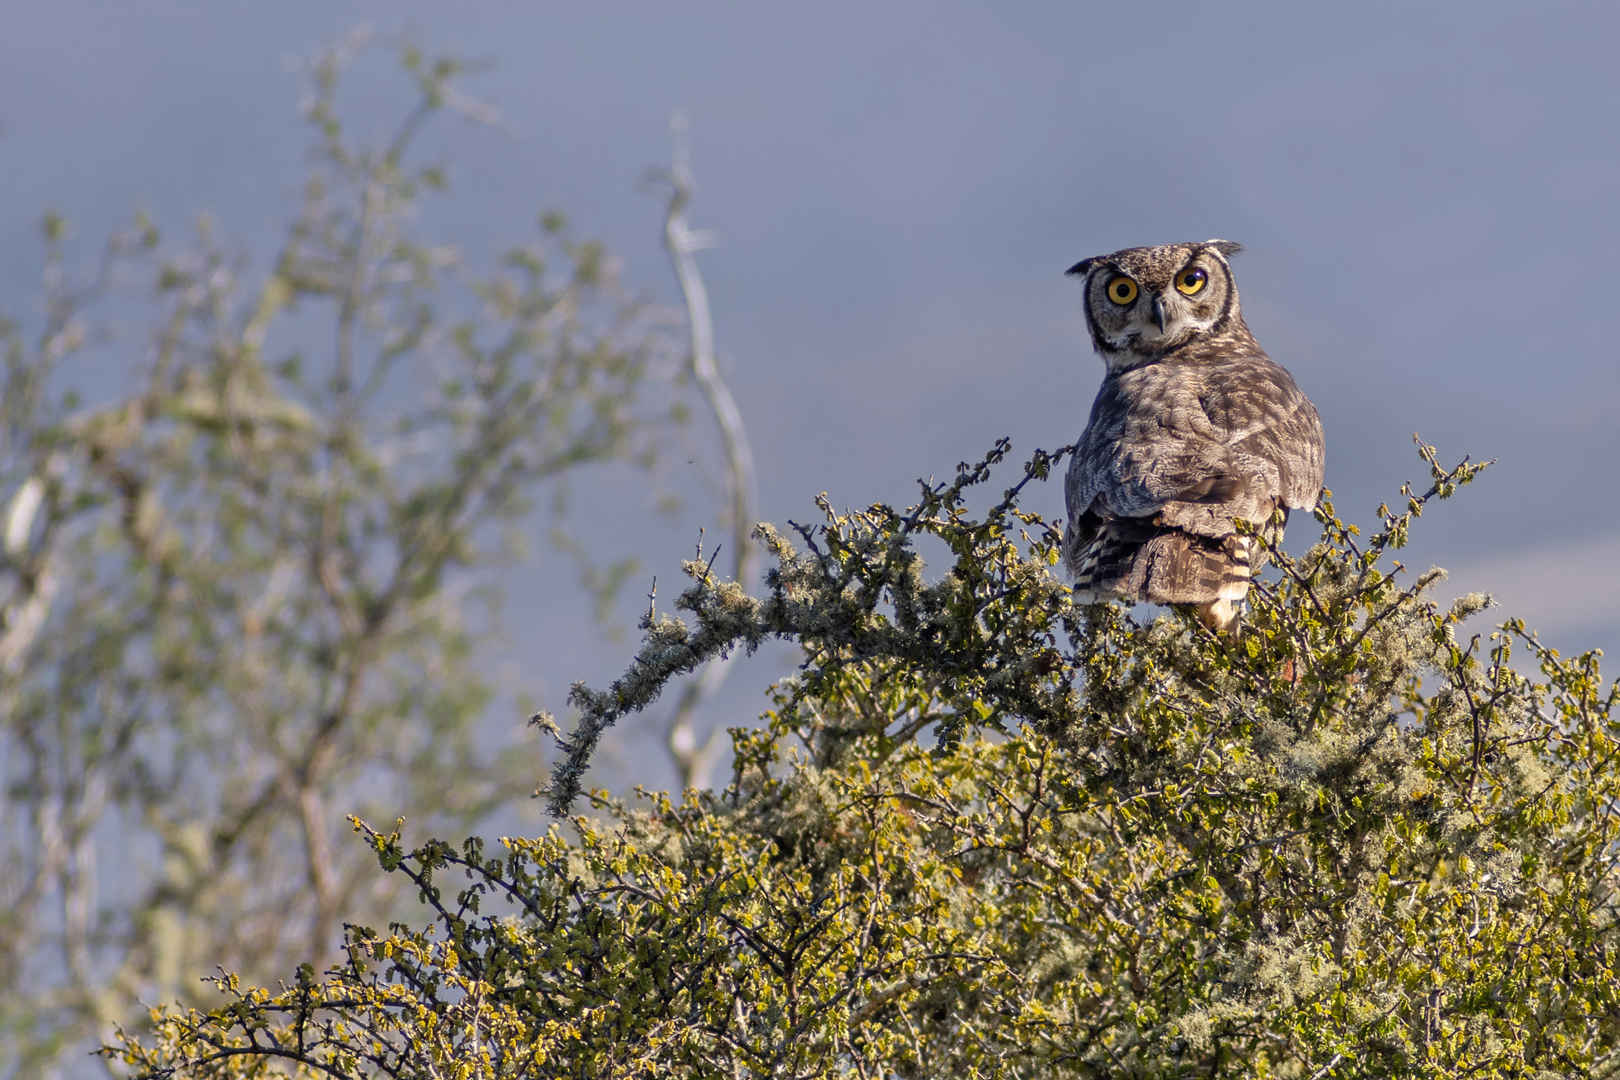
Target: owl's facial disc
[[1158, 311], [1145, 318], [1143, 303]]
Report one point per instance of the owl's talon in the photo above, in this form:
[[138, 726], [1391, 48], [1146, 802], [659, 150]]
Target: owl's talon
[[1221, 615]]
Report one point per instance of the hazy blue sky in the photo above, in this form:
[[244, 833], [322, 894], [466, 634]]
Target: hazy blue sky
[[1427, 193]]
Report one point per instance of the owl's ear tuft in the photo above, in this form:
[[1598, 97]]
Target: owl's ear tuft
[[1080, 267], [1225, 247]]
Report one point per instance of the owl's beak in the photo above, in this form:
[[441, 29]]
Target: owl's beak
[[1158, 312]]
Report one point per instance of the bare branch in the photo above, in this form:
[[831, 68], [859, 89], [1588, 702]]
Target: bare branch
[[695, 760]]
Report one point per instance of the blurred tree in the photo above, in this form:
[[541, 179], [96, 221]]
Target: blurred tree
[[1354, 841], [234, 607]]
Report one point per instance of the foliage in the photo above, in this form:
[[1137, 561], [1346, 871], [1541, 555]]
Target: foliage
[[1353, 841], [235, 602]]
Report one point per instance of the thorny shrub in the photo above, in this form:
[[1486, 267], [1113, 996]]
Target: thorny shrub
[[1354, 840]]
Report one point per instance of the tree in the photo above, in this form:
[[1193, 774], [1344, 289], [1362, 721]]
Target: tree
[[236, 600], [1353, 841]]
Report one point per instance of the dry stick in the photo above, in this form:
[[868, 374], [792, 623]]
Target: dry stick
[[696, 762]]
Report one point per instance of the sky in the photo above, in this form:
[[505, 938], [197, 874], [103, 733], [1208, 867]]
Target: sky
[[1425, 192]]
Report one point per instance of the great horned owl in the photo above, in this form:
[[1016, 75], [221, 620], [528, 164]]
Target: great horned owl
[[1194, 427]]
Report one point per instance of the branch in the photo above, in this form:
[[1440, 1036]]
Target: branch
[[696, 761], [828, 602]]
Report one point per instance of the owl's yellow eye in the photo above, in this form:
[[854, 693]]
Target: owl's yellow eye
[[1191, 281], [1122, 290]]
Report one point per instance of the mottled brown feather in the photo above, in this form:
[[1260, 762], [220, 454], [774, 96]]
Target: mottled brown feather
[[1193, 429]]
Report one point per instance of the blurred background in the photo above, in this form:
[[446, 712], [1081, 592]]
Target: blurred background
[[1425, 194]]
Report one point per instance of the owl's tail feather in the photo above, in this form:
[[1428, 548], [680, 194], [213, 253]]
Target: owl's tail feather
[[1182, 568], [1101, 563], [1133, 559]]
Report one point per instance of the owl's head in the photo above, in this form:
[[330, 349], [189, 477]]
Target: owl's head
[[1144, 303]]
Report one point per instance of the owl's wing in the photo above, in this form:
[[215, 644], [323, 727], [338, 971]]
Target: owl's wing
[[1272, 428], [1196, 448], [1295, 445]]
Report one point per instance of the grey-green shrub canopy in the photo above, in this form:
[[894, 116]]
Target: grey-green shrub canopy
[[985, 832]]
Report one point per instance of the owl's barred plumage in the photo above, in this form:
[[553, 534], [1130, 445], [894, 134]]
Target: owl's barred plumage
[[1194, 429]]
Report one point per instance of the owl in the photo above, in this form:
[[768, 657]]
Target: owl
[[1194, 429]]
